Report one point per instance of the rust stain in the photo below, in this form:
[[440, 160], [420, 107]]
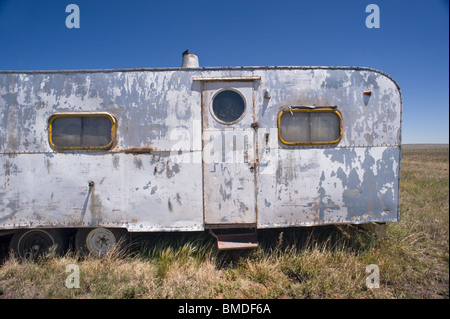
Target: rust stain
[[139, 150], [138, 163]]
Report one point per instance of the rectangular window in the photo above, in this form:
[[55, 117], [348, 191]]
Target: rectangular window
[[309, 127], [81, 131]]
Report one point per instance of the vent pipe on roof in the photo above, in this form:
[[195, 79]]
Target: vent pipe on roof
[[190, 60]]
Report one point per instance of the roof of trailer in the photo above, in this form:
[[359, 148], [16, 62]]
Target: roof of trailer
[[232, 68]]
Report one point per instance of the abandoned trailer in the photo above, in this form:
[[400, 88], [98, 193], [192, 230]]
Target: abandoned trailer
[[106, 152]]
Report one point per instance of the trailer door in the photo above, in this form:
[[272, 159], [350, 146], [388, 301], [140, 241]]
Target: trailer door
[[228, 153]]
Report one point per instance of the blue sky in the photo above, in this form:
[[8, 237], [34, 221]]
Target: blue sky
[[411, 45]]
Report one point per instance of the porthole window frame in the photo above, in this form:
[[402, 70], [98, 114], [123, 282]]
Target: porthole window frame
[[211, 109], [321, 110], [82, 114]]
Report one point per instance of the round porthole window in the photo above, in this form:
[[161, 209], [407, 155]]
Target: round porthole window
[[228, 107]]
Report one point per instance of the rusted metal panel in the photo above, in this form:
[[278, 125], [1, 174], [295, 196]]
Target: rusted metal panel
[[328, 186], [159, 176], [142, 183], [354, 181], [140, 192]]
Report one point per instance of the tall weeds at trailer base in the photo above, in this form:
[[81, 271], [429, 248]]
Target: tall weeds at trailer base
[[321, 262]]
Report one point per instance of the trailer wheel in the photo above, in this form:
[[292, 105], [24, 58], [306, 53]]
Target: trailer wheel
[[31, 243], [100, 241]]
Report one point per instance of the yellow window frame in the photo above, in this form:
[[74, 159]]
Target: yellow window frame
[[294, 110], [96, 114]]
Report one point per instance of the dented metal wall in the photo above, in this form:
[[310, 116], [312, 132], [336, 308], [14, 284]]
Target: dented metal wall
[[157, 176]]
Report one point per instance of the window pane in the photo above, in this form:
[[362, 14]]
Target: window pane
[[96, 131], [66, 131], [324, 127], [228, 106], [295, 127], [81, 131]]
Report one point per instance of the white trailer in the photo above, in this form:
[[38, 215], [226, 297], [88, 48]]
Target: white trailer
[[195, 148]]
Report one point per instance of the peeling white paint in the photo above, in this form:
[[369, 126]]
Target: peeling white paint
[[175, 186]]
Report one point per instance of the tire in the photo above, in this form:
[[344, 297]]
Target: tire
[[100, 241], [31, 243]]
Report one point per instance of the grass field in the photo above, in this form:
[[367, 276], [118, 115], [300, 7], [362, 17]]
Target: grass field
[[320, 262]]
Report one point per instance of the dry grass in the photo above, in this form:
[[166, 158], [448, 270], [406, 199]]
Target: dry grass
[[322, 262]]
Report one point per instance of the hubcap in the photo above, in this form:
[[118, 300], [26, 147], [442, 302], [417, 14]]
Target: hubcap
[[99, 241]]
